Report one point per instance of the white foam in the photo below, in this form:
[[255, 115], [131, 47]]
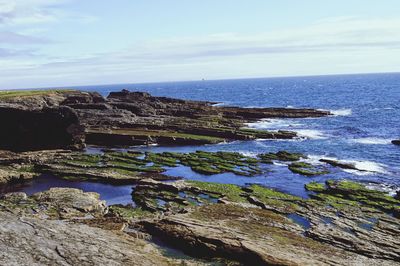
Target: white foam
[[370, 166], [341, 112], [279, 164], [362, 167], [373, 141], [310, 134], [219, 104], [274, 124], [249, 153], [315, 159], [389, 189]]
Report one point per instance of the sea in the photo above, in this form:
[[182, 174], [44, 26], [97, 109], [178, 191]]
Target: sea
[[366, 117]]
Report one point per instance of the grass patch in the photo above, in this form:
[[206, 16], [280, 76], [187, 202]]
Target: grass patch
[[28, 93]]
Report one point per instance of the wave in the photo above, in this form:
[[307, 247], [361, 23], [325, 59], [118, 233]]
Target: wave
[[220, 104], [369, 166], [274, 124], [341, 112], [372, 141], [361, 167], [383, 108], [249, 153], [279, 164], [387, 188], [310, 134]]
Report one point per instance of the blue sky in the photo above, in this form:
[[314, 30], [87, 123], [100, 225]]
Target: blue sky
[[46, 43]]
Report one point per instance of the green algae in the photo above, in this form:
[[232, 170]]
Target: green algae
[[315, 187], [344, 193], [306, 169], [230, 192], [127, 212], [280, 156]]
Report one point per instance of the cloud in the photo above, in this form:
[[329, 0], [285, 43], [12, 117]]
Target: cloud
[[7, 37], [323, 36], [6, 53], [22, 12], [28, 13], [336, 45]]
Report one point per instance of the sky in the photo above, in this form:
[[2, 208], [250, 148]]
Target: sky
[[61, 43]]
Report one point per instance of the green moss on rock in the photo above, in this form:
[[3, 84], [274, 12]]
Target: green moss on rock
[[306, 169]]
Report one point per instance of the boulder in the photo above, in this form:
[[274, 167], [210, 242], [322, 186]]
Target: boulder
[[73, 199]]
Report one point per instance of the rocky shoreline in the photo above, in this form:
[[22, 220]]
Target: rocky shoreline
[[341, 223], [71, 119]]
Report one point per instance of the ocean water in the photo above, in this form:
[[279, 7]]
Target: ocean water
[[366, 118]]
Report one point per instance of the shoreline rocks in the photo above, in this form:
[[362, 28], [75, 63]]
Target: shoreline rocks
[[260, 226], [32, 241], [343, 223], [62, 119], [48, 128]]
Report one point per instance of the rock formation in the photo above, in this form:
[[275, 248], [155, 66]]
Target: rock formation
[[58, 119]]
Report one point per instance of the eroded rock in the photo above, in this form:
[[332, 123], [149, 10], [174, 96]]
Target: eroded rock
[[32, 241], [258, 225]]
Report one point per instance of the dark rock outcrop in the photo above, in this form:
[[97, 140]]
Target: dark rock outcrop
[[47, 128], [396, 142], [56, 120]]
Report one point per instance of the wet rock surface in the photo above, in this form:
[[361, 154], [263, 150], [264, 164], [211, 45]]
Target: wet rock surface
[[116, 167], [260, 226], [343, 223]]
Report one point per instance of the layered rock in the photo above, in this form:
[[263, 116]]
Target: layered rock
[[344, 224], [32, 241], [56, 119], [55, 203], [18, 167]]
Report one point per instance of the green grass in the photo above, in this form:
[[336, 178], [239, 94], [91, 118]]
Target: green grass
[[27, 93]]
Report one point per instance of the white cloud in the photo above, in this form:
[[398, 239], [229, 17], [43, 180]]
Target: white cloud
[[16, 12], [337, 45]]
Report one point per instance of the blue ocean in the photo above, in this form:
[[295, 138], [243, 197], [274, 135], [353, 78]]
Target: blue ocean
[[366, 117]]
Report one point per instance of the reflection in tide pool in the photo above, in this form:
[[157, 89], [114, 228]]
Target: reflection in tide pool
[[112, 194]]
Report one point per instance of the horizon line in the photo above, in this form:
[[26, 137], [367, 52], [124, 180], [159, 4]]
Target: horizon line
[[200, 80]]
